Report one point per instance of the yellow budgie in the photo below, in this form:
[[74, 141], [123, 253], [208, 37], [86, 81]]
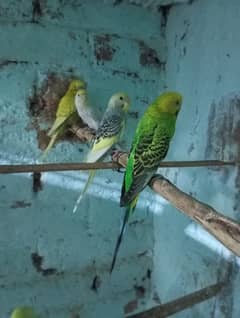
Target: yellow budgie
[[66, 112]]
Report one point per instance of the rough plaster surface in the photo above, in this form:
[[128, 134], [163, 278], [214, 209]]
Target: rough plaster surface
[[202, 49], [59, 262], [52, 259]]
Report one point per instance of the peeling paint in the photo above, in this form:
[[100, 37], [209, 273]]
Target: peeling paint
[[42, 138], [6, 62], [223, 131], [102, 48], [37, 10], [36, 182], [148, 56], [133, 75], [156, 298], [20, 204], [165, 10], [134, 115], [186, 25], [131, 306], [224, 136], [96, 283], [140, 291], [37, 262]]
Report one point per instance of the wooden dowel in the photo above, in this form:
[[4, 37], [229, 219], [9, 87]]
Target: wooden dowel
[[105, 165], [57, 167]]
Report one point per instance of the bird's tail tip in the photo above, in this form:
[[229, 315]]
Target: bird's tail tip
[[77, 203], [120, 238], [74, 209]]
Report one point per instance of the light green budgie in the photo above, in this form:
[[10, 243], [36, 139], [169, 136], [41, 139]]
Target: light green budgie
[[108, 134], [24, 312], [150, 145], [84, 110], [66, 112]]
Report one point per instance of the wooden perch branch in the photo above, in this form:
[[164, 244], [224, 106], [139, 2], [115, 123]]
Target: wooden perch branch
[[104, 165], [223, 228], [57, 167], [82, 133], [181, 303]]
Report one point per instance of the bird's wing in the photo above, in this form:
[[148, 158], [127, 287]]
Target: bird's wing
[[107, 135], [59, 121], [144, 159]]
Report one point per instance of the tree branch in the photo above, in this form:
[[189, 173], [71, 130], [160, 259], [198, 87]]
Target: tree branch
[[221, 227], [225, 229]]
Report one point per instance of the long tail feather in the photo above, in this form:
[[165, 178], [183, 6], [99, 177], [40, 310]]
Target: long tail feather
[[89, 181], [49, 146], [120, 237]]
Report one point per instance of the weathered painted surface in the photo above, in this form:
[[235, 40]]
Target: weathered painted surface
[[52, 259], [202, 62], [59, 262]]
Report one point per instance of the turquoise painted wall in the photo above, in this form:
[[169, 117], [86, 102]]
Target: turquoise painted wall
[[50, 257], [202, 47]]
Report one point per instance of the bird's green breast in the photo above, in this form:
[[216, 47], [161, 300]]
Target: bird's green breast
[[161, 122]]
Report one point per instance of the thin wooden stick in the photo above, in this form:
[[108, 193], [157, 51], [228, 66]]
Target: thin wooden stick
[[106, 165], [182, 303], [57, 167]]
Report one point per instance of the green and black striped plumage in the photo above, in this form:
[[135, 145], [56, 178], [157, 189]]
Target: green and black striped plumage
[[150, 146]]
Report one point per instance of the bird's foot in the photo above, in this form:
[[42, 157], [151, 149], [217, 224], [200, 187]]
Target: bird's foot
[[116, 155]]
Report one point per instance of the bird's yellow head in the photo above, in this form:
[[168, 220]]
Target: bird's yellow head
[[168, 102], [120, 100], [76, 85]]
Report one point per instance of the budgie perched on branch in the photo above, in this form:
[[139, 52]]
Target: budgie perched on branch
[[66, 112], [150, 145], [84, 109], [108, 134]]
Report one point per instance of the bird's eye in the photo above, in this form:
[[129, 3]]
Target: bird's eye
[[121, 98], [177, 102]]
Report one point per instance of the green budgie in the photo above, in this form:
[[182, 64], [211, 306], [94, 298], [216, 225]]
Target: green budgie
[[24, 312], [150, 145], [66, 112], [84, 110], [108, 134]]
